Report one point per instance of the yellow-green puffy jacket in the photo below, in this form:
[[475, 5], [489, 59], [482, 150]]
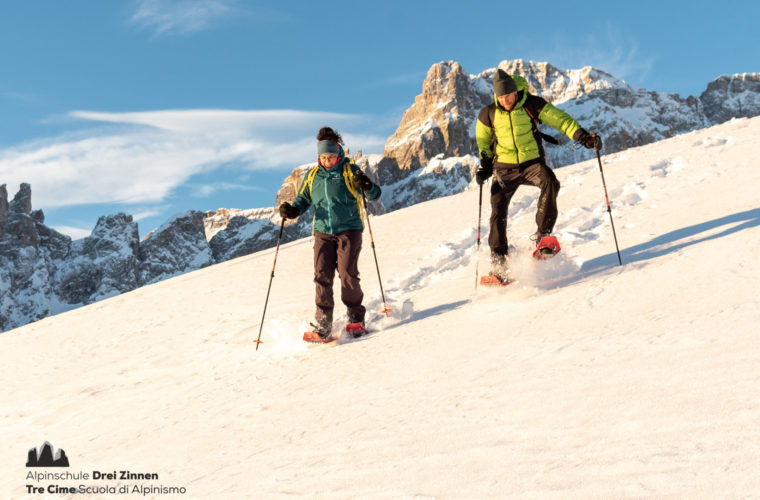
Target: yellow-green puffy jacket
[[518, 140]]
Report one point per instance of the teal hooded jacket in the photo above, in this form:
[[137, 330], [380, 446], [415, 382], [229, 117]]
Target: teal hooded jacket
[[338, 205]]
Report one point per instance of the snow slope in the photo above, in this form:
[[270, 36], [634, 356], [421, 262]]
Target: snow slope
[[584, 380]]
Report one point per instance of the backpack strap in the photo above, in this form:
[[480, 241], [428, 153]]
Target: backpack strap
[[309, 183], [348, 177], [491, 119], [548, 138], [310, 179]]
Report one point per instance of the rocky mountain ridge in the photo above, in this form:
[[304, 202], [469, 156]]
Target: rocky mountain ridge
[[431, 154], [44, 272]]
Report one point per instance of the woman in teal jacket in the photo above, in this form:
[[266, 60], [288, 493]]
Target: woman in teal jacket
[[335, 189]]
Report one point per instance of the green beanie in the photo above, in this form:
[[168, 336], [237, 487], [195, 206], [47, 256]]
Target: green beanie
[[503, 83]]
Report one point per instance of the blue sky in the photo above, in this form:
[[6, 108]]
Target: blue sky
[[153, 107]]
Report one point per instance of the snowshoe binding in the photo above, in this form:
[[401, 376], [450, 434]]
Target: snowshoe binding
[[356, 330], [547, 246], [318, 335], [499, 275]]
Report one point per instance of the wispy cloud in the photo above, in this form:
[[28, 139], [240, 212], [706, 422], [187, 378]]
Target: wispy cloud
[[181, 17], [619, 55], [144, 215], [143, 157], [206, 190], [24, 97], [610, 49]]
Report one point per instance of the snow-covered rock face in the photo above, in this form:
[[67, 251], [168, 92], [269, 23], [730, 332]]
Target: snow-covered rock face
[[28, 254], [248, 231], [177, 246], [736, 96], [42, 272], [439, 121], [441, 177], [102, 265]]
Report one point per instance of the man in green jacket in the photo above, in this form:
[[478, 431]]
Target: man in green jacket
[[335, 189], [511, 150]]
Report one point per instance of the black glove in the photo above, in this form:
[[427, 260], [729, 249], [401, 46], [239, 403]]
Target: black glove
[[361, 181], [288, 211], [590, 141], [486, 169]]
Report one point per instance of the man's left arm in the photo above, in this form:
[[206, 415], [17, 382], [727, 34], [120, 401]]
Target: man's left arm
[[563, 122], [558, 119]]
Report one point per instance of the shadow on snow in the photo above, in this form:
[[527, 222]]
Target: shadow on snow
[[672, 242], [429, 312]]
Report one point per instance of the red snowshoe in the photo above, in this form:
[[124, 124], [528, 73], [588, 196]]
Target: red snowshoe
[[356, 330], [547, 247], [495, 280], [316, 338], [319, 335]]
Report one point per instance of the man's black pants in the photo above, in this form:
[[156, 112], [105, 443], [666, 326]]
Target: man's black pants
[[503, 186]]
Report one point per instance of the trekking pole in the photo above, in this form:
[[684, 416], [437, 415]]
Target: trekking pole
[[477, 251], [607, 198], [277, 250], [377, 266]]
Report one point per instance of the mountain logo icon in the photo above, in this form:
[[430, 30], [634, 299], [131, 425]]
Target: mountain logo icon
[[44, 457]]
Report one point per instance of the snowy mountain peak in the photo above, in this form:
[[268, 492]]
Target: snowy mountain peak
[[554, 84], [732, 96]]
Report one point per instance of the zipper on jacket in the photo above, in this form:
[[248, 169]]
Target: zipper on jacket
[[329, 208], [514, 141]]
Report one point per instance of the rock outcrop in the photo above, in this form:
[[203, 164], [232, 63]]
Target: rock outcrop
[[178, 246], [727, 97], [103, 265], [42, 272], [438, 122], [28, 254], [248, 231]]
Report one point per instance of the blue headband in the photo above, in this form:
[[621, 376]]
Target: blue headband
[[327, 147]]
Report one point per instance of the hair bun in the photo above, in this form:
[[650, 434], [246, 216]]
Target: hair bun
[[328, 134]]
